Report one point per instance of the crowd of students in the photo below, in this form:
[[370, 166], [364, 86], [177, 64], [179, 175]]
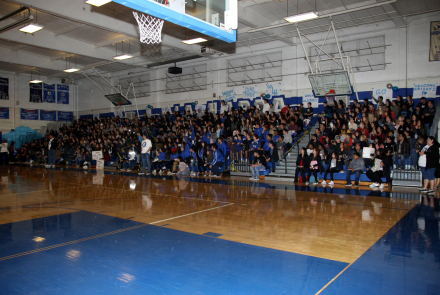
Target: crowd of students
[[395, 134], [194, 143]]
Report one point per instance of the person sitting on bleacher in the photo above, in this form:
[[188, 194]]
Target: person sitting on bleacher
[[334, 166], [259, 163], [356, 167], [375, 174]]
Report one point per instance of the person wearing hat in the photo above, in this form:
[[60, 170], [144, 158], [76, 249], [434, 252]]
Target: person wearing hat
[[174, 155]]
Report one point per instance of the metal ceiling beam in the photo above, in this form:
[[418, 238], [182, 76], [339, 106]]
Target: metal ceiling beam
[[83, 13], [325, 15], [25, 59]]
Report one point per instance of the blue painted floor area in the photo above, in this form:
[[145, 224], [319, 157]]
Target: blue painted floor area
[[38, 233], [406, 260], [152, 260]]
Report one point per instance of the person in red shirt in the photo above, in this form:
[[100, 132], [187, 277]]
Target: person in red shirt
[[362, 129]]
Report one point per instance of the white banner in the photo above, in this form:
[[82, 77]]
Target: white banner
[[201, 107], [99, 164], [166, 109], [273, 89], [309, 97], [250, 91], [384, 92], [424, 90], [229, 95], [97, 155]]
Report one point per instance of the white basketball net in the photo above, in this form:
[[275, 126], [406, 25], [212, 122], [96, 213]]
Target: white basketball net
[[150, 28]]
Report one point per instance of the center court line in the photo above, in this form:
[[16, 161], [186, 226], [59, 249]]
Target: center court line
[[101, 235], [191, 213]]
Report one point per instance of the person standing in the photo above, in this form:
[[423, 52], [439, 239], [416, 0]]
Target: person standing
[[217, 162], [51, 149], [428, 161], [146, 147]]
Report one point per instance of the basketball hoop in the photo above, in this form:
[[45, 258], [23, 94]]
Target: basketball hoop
[[118, 112], [330, 96], [150, 28]]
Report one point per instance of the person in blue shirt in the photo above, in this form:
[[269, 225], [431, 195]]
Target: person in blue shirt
[[266, 144], [185, 152], [159, 161], [193, 161], [223, 149], [258, 130], [217, 161], [201, 157], [254, 146]]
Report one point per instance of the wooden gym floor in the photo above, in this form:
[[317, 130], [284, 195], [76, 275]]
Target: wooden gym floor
[[66, 231]]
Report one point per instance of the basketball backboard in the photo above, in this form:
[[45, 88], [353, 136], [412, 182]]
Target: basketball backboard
[[117, 99], [323, 83], [215, 18]]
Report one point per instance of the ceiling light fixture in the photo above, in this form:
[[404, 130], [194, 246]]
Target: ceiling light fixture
[[194, 41], [301, 17], [97, 3], [71, 70], [34, 81], [123, 56], [31, 28]]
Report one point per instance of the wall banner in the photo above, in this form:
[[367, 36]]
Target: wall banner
[[48, 115], [4, 88], [36, 92], [28, 114], [49, 93], [4, 113], [229, 95], [250, 91], [63, 94], [65, 116], [384, 92], [434, 49], [427, 90]]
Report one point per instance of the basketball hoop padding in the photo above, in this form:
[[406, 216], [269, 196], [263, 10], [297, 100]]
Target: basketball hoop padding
[[150, 28]]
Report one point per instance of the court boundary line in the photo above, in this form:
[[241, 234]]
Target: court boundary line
[[332, 280], [102, 235]]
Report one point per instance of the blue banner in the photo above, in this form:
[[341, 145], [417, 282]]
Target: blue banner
[[28, 114], [48, 115], [36, 92], [49, 93], [63, 94], [4, 88], [65, 116], [4, 113]]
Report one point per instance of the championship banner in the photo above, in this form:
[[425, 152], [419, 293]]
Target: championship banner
[[4, 113], [4, 88], [424, 90], [65, 116], [36, 92], [48, 115], [49, 93], [434, 49], [63, 94], [28, 114], [309, 97]]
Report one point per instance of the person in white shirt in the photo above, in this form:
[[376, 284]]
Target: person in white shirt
[[146, 147], [4, 152], [266, 106], [224, 107]]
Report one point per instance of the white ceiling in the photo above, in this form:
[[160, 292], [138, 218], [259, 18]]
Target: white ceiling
[[79, 34]]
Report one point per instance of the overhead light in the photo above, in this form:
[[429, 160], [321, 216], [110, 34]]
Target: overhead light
[[301, 17], [123, 56], [31, 28], [35, 81], [97, 2], [194, 41], [71, 70]]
